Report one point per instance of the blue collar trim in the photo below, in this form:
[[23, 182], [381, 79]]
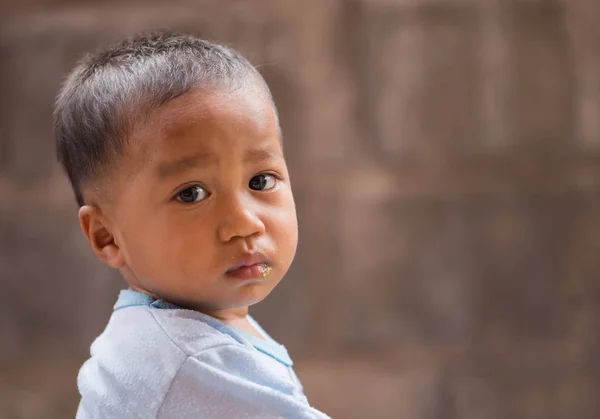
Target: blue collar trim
[[268, 346], [130, 298]]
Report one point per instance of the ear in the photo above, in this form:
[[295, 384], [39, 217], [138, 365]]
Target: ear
[[97, 230]]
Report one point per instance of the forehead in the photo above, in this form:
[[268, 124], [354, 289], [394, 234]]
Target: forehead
[[208, 118]]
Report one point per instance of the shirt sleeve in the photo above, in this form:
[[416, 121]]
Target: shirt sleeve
[[231, 381]]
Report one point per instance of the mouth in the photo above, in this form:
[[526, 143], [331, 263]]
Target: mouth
[[250, 266]]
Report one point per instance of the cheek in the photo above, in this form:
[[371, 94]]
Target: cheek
[[284, 230], [170, 244], [187, 243]]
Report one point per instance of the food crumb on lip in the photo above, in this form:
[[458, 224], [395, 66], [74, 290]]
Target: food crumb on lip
[[259, 270]]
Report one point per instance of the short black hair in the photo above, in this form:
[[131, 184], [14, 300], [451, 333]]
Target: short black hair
[[112, 90]]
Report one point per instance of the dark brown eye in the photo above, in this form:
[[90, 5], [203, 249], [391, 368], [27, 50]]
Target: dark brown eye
[[262, 182], [192, 194]]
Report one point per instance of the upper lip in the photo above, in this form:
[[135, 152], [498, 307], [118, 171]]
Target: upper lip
[[248, 259]]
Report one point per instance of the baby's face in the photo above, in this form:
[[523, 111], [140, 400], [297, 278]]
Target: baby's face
[[207, 219]]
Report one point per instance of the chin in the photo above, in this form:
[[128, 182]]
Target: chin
[[248, 300]]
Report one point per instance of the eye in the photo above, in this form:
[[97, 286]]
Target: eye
[[191, 194], [262, 182]]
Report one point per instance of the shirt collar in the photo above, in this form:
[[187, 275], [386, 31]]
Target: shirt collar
[[268, 346]]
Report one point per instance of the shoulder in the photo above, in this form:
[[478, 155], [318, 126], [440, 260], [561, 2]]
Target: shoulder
[[135, 359], [154, 329], [233, 380]]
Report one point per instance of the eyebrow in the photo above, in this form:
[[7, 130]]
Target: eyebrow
[[172, 168], [259, 155]]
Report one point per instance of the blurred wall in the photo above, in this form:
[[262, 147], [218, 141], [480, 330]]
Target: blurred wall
[[444, 156]]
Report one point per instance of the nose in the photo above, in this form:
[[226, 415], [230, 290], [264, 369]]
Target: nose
[[239, 217]]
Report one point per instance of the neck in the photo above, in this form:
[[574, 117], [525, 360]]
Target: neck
[[229, 315]]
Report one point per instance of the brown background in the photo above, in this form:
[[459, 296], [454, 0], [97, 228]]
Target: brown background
[[445, 156]]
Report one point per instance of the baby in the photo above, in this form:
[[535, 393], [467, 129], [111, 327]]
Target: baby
[[173, 147]]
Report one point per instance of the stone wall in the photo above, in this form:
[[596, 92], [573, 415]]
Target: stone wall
[[445, 157]]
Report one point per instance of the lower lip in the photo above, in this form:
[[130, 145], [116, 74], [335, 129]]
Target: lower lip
[[256, 271]]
